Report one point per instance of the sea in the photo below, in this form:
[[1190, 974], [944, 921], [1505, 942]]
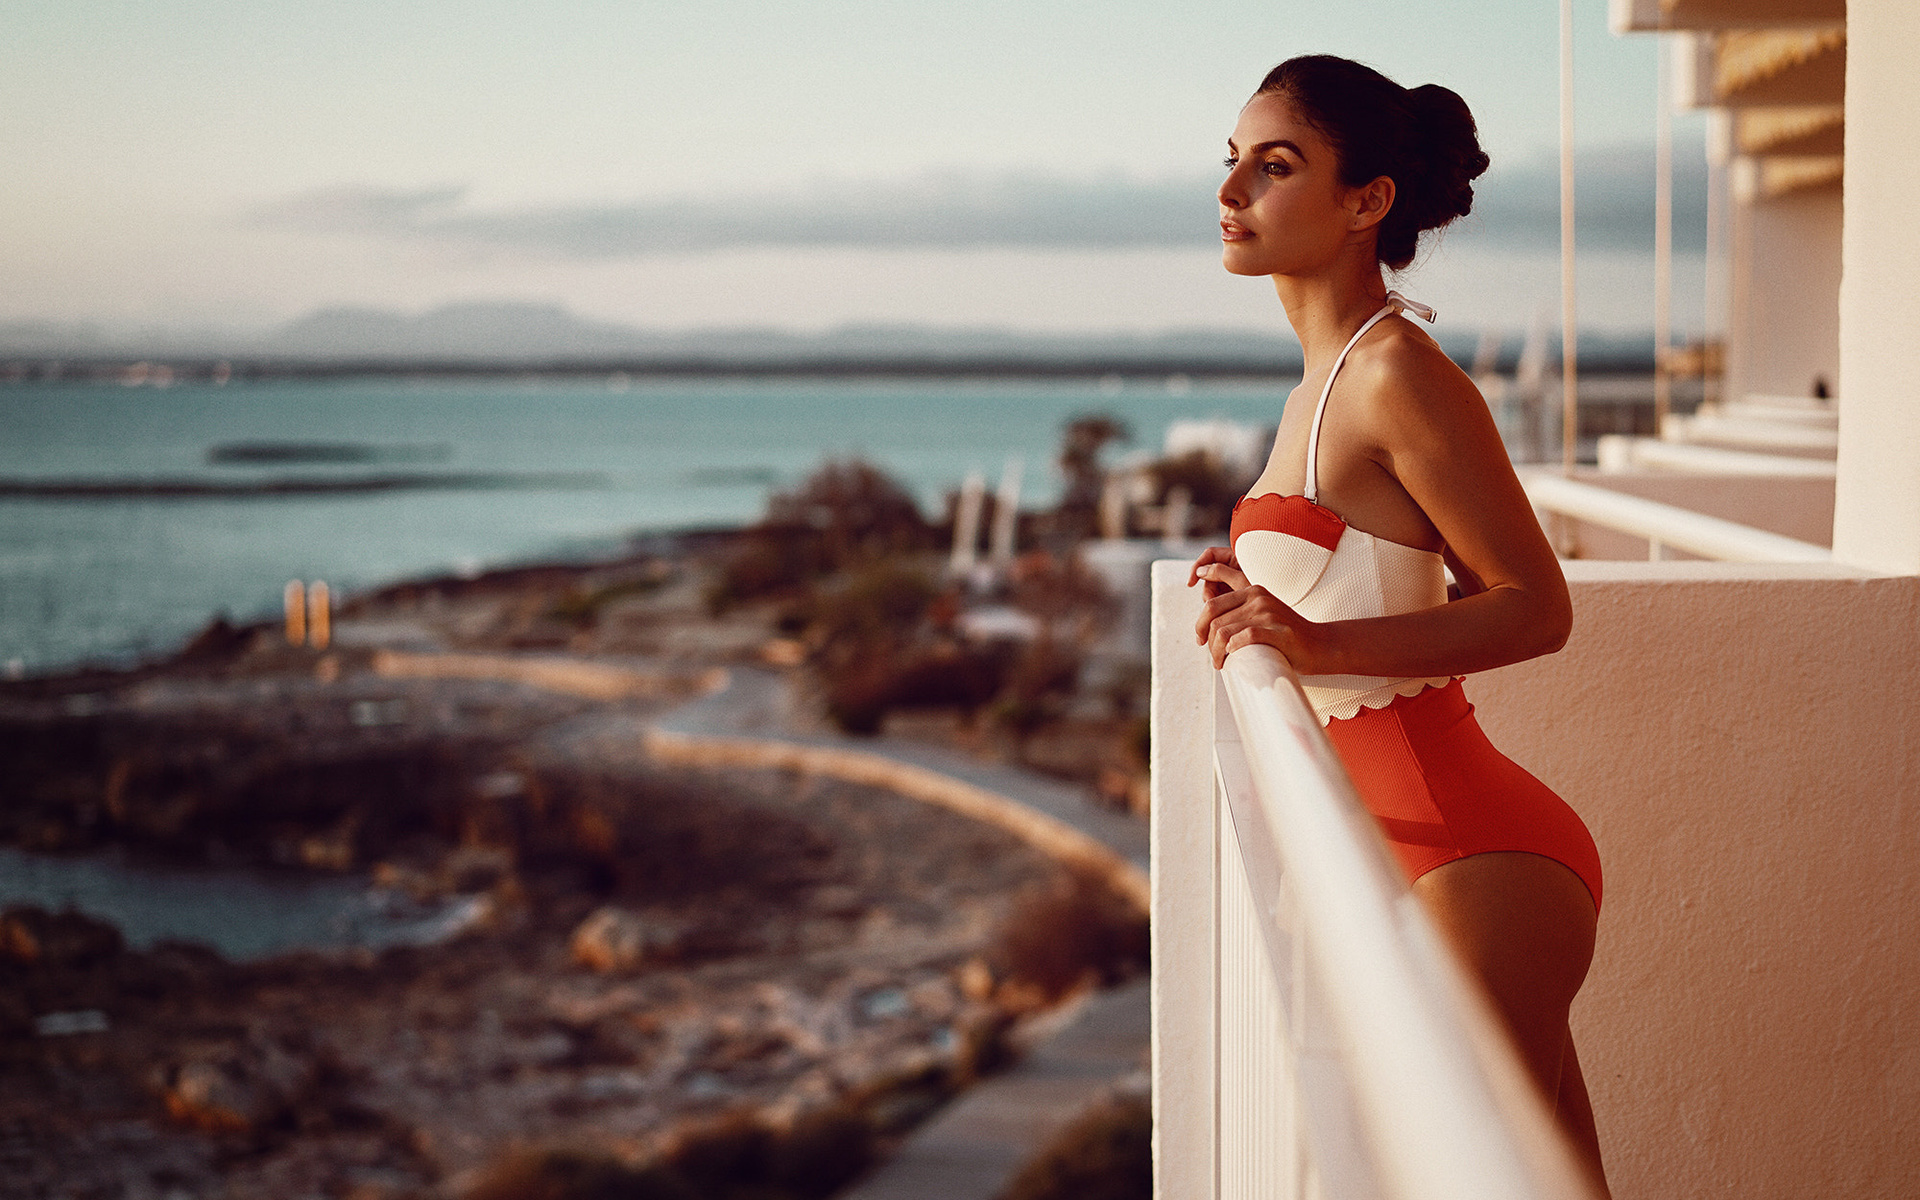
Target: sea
[[131, 516]]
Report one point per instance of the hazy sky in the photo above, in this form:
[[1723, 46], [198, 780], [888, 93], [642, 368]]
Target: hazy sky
[[1041, 164]]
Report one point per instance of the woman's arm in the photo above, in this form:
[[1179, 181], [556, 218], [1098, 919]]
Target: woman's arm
[[1431, 433]]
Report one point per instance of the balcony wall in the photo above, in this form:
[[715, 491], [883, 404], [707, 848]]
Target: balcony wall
[[1785, 329], [1791, 507], [1744, 742]]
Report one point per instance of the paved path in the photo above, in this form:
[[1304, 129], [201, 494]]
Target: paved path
[[752, 716], [975, 1146]]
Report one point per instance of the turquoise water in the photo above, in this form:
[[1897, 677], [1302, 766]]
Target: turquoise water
[[572, 469]]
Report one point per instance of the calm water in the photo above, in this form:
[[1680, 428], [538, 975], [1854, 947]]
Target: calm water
[[241, 913], [108, 578]]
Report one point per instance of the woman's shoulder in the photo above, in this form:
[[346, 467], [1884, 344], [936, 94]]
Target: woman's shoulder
[[1403, 366]]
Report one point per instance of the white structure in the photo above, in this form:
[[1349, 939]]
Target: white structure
[[1773, 73], [1240, 447], [966, 525], [1006, 513]]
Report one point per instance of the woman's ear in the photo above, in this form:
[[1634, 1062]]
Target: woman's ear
[[1369, 203]]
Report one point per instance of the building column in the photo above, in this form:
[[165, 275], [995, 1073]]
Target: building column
[[1876, 518]]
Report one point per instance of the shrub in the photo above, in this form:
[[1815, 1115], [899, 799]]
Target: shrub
[[1080, 444], [1105, 1154], [858, 512], [575, 1175], [1211, 486], [1070, 932], [843, 515]]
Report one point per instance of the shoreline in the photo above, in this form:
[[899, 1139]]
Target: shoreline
[[622, 908], [219, 631]]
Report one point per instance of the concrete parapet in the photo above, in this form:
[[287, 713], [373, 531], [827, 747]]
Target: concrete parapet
[[1743, 742]]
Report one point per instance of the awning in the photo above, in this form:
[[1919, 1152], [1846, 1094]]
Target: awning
[[1651, 16]]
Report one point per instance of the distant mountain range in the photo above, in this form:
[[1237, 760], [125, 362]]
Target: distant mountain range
[[519, 333], [509, 335]]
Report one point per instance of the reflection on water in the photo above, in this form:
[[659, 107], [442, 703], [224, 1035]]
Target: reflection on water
[[244, 914], [323, 452]]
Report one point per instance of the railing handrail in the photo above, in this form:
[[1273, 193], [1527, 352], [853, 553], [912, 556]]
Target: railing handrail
[[1629, 452], [1787, 409], [1681, 528], [1448, 1109], [1750, 429]]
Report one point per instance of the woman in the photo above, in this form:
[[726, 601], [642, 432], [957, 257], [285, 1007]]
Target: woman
[[1386, 475]]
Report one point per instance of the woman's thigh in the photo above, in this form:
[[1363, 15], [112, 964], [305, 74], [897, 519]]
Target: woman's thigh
[[1523, 926]]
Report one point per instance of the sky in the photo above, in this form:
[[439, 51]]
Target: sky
[[1035, 165]]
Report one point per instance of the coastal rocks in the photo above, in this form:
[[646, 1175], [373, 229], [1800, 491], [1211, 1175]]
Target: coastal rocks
[[820, 1003], [616, 939], [748, 981], [36, 937], [241, 1089]]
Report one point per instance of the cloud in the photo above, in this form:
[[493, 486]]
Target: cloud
[[959, 212], [359, 210], [1517, 206], [1613, 201]]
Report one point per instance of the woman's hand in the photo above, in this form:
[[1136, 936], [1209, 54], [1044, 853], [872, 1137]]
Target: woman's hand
[[1217, 571], [1239, 614], [1248, 615]]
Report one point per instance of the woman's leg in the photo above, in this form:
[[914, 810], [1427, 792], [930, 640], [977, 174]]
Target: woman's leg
[[1523, 925]]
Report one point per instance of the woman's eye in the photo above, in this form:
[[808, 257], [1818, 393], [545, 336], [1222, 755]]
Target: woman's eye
[[1230, 162], [1276, 169]]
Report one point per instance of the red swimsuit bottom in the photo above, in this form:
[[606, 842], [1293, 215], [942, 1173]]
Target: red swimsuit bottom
[[1440, 791], [1420, 763]]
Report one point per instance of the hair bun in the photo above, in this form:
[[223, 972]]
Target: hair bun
[[1448, 146]]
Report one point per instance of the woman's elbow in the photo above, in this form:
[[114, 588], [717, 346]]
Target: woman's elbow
[[1539, 622], [1554, 622]]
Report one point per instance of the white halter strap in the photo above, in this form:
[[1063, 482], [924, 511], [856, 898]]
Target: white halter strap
[[1395, 303]]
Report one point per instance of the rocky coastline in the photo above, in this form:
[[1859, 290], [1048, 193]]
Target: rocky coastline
[[661, 981]]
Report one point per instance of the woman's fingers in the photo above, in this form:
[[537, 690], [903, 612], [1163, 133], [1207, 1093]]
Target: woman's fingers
[[1245, 636], [1245, 609], [1209, 556], [1231, 635], [1222, 577], [1220, 605]]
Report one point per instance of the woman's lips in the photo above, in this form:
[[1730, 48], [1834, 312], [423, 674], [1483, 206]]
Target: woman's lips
[[1229, 232]]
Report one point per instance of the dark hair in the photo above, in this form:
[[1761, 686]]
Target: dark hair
[[1421, 138]]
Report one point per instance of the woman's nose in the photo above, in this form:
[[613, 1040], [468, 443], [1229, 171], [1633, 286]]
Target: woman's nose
[[1229, 193]]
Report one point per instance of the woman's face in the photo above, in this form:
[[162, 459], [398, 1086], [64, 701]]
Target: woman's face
[[1283, 209]]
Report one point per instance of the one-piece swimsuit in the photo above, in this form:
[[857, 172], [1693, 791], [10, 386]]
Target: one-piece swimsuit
[[1437, 787]]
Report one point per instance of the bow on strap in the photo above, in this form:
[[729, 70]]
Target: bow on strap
[[1423, 311]]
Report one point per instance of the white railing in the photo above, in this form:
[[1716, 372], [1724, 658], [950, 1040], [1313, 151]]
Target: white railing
[[1311, 1036], [1759, 432], [1795, 410], [1665, 524], [1619, 452]]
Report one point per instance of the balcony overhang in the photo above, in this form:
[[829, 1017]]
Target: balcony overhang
[[1800, 131], [1751, 68], [1653, 16], [1784, 174]]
